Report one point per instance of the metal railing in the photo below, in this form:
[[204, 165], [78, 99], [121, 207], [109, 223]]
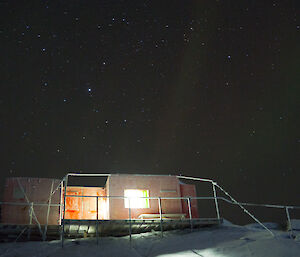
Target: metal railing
[[190, 214], [215, 198], [213, 183], [286, 208], [159, 199], [65, 184]]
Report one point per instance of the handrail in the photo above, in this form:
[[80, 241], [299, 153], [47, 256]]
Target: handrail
[[88, 175], [214, 184], [263, 205], [144, 197], [193, 178], [37, 204], [295, 207], [230, 201], [244, 209]]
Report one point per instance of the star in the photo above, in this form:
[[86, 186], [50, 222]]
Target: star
[[127, 86]]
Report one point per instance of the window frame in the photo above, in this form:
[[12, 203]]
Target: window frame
[[145, 201]]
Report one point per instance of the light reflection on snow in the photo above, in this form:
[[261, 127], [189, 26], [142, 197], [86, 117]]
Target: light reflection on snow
[[194, 253]]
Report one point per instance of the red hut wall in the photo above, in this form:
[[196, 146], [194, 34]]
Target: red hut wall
[[157, 186], [86, 207], [188, 190], [37, 190]]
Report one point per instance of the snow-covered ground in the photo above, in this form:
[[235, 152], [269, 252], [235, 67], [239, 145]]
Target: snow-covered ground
[[227, 240]]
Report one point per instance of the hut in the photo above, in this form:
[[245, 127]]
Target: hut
[[154, 186], [31, 200]]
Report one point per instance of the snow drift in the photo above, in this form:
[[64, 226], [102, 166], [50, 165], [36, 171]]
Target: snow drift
[[227, 240]]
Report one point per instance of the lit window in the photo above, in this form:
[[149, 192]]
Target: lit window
[[135, 198]]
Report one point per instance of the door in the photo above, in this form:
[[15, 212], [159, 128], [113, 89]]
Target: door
[[73, 205]]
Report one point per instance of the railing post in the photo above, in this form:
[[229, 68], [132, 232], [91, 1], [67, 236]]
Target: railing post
[[48, 212], [64, 211], [216, 200], [129, 213], [97, 231], [160, 215], [30, 220], [190, 213], [289, 221], [60, 206]]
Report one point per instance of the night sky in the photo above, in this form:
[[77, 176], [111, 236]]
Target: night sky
[[202, 88]]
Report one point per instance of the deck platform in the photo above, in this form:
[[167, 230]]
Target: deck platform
[[88, 228]]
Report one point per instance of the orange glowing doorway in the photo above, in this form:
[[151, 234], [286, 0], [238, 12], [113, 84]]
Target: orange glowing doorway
[[85, 208]]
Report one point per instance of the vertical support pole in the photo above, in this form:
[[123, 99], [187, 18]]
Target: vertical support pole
[[30, 220], [129, 213], [30, 214], [190, 212], [60, 206], [97, 232], [289, 221], [216, 200], [64, 211], [160, 215], [28, 202], [48, 212]]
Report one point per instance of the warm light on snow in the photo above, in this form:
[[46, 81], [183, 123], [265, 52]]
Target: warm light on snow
[[227, 240], [194, 253]]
